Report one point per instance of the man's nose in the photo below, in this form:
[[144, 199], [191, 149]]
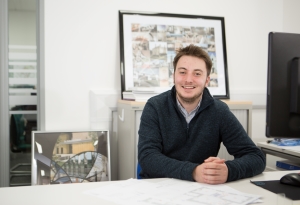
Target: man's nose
[[189, 78]]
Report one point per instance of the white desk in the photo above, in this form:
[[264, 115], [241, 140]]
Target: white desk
[[73, 193], [279, 151]]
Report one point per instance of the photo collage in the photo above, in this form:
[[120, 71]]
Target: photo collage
[[154, 48]]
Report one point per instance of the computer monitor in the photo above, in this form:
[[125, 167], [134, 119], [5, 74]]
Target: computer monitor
[[283, 86]]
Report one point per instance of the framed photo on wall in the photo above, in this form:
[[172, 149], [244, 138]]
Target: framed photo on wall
[[70, 157], [148, 44]]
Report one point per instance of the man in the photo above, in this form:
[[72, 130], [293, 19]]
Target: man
[[181, 130]]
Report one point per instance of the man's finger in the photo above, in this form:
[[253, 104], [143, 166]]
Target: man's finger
[[213, 180], [214, 159], [213, 165], [211, 159]]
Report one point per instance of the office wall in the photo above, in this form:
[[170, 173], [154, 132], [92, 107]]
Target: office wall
[[291, 16], [82, 50]]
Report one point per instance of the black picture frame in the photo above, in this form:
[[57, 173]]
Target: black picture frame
[[148, 43]]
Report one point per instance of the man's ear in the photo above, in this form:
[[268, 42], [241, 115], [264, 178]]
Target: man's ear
[[174, 77], [207, 81]]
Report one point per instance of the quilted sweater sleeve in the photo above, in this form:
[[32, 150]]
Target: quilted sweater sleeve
[[248, 158]]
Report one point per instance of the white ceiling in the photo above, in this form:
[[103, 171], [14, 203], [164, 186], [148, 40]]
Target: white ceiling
[[21, 5]]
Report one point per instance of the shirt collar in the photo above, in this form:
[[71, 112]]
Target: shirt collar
[[182, 108]]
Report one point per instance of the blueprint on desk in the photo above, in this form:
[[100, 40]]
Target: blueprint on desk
[[170, 192]]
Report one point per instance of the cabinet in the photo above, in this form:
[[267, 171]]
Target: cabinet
[[129, 114]]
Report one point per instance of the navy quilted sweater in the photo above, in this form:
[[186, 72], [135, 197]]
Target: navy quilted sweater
[[169, 147]]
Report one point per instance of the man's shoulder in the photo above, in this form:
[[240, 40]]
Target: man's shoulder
[[161, 98], [219, 104], [209, 101]]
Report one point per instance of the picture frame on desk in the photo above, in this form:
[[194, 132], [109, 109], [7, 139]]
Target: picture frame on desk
[[148, 44], [63, 157]]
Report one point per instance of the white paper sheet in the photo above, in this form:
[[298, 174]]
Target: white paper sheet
[[170, 192]]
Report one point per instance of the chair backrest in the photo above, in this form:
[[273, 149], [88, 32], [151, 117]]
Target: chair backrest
[[138, 170], [19, 134]]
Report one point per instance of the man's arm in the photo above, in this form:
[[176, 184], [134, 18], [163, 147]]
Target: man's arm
[[248, 158]]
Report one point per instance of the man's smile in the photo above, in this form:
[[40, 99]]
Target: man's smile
[[188, 87]]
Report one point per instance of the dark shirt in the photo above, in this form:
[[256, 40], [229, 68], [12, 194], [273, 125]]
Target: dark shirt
[[170, 147]]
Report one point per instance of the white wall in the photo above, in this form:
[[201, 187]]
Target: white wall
[[291, 16], [82, 50]]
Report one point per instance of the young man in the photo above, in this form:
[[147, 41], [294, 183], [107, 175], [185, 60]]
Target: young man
[[181, 130]]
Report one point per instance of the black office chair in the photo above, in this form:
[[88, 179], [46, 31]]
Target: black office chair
[[138, 170], [18, 134]]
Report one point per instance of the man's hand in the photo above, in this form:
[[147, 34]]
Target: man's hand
[[212, 171], [215, 159]]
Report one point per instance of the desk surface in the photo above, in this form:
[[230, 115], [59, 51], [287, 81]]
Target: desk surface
[[282, 149], [73, 193]]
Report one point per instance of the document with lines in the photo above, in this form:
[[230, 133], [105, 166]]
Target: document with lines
[[170, 192]]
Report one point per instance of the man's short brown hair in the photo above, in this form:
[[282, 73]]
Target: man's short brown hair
[[195, 51]]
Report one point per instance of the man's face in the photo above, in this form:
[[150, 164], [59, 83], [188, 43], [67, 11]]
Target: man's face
[[190, 79]]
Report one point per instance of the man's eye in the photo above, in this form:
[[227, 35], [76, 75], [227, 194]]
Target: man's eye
[[182, 72], [198, 74]]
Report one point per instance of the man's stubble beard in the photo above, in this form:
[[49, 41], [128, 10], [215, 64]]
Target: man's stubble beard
[[189, 100]]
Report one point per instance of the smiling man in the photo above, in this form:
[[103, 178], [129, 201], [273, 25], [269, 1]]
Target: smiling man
[[181, 129], [191, 77]]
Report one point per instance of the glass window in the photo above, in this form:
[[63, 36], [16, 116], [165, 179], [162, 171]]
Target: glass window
[[22, 80]]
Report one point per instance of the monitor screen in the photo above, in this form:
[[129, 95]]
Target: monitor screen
[[70, 157], [283, 86]]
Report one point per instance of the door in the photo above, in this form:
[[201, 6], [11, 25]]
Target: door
[[19, 90]]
